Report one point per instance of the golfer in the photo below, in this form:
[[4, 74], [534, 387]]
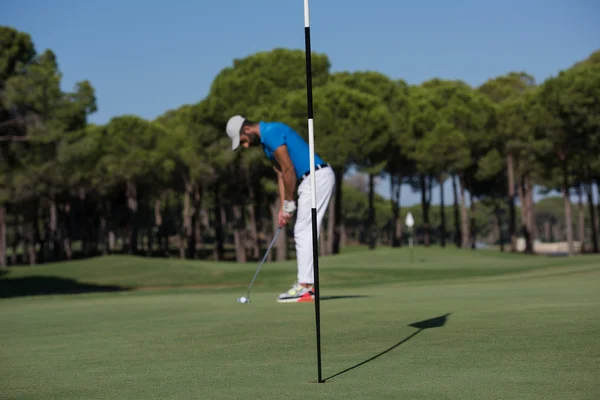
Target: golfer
[[289, 153]]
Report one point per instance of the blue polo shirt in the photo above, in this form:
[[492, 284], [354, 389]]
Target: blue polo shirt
[[275, 134]]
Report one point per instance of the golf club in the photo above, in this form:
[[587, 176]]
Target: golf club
[[246, 299]]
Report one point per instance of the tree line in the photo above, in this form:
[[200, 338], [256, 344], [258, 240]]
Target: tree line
[[147, 187]]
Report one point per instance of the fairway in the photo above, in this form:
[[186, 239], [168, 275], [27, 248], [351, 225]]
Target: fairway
[[453, 325]]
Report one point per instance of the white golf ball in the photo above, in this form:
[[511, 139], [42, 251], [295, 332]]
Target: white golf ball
[[243, 299]]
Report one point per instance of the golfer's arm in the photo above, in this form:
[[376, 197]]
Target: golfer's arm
[[287, 178], [281, 189]]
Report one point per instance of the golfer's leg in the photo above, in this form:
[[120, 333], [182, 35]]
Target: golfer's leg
[[325, 185], [325, 182], [303, 234]]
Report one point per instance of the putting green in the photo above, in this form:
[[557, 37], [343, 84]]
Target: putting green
[[527, 331]]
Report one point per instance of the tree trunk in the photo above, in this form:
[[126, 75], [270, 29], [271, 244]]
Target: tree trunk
[[181, 245], [457, 223], [112, 241], [567, 203], [94, 233], [281, 242], [219, 248], [253, 209], [499, 227], [238, 233], [395, 191], [198, 202], [394, 208], [322, 245], [530, 212], [331, 227], [81, 222], [54, 239], [512, 223], [191, 233], [547, 232], [2, 236], [473, 221], [464, 215], [132, 205], [32, 235], [425, 206], [268, 239], [158, 222], [523, 196], [18, 235], [253, 231], [429, 197], [523, 201], [150, 236], [443, 213], [67, 232], [590, 199], [187, 224], [39, 234], [344, 236], [102, 233], [581, 222], [556, 237], [399, 230], [372, 229], [338, 234], [597, 206], [103, 226], [198, 232]]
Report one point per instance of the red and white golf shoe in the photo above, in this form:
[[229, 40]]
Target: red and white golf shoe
[[297, 294]]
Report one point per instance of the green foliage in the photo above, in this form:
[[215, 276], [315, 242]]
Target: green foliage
[[78, 155], [36, 109], [259, 80], [449, 123], [347, 121], [36, 92], [363, 119], [507, 87], [128, 152], [356, 208], [16, 50], [192, 147]]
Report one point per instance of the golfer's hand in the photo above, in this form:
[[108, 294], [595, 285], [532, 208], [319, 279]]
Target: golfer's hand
[[283, 218]]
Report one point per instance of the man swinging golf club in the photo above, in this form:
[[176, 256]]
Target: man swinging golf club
[[289, 153]]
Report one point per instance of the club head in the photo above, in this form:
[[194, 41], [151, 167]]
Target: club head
[[243, 300]]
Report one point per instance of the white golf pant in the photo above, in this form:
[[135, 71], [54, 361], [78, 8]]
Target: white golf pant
[[325, 183]]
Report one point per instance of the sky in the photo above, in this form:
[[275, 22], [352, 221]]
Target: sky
[[147, 57]]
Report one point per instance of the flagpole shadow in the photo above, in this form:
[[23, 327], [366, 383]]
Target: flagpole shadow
[[431, 323], [349, 296]]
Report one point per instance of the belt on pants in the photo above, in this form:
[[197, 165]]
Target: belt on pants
[[307, 173]]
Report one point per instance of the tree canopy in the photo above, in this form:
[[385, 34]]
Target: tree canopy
[[149, 186]]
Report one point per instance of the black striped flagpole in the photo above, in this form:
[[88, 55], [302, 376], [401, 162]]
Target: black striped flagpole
[[311, 145]]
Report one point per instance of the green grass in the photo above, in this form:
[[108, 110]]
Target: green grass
[[519, 327]]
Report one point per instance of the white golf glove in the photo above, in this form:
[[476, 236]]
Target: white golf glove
[[289, 206]]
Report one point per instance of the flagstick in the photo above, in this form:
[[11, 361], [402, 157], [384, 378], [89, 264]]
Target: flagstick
[[313, 185]]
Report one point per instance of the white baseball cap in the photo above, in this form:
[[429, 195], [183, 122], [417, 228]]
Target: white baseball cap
[[233, 130]]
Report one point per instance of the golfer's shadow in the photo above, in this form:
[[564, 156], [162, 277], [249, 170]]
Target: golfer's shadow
[[436, 322]]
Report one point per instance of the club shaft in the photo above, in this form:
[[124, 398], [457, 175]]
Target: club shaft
[[263, 260]]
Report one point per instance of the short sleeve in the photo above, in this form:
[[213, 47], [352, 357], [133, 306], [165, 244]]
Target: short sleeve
[[274, 138]]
